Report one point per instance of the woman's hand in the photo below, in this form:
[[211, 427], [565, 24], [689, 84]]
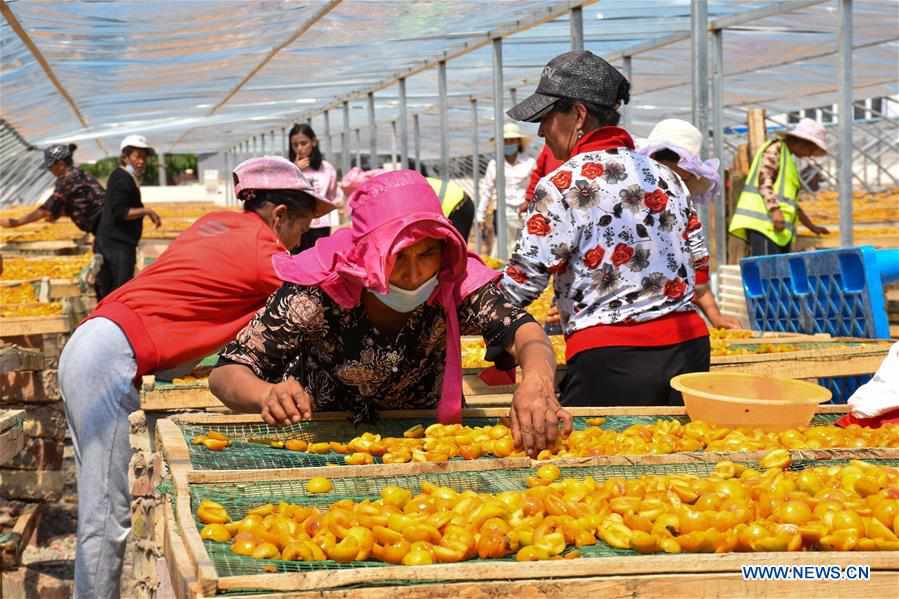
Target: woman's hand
[[552, 315], [536, 414], [286, 403], [154, 217], [302, 163], [8, 223], [726, 322]]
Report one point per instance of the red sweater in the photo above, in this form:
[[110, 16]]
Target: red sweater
[[200, 292], [546, 163]]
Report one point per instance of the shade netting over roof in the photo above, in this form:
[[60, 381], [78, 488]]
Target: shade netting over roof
[[169, 69]]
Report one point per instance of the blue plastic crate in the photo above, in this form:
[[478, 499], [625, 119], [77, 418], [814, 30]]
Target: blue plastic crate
[[839, 292]]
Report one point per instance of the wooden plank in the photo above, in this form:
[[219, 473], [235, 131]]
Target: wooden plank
[[724, 563], [644, 586], [13, 357], [34, 325], [193, 397], [179, 562], [21, 533], [12, 435]]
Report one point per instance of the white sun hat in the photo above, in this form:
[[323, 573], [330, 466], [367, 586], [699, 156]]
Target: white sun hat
[[676, 132], [135, 141], [810, 130]]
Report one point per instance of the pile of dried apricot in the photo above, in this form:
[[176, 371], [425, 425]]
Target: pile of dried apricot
[[735, 508]]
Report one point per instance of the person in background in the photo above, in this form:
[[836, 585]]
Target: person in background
[[122, 218], [619, 236], [546, 163], [370, 319], [768, 207], [76, 194], [677, 144], [456, 204], [305, 153], [518, 169], [191, 301]]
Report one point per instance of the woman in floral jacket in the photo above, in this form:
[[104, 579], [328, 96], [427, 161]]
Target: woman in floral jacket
[[619, 235]]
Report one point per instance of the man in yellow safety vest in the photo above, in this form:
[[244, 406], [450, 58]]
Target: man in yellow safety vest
[[768, 208]]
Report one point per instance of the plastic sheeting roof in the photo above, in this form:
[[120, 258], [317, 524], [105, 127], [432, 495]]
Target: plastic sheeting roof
[[163, 68]]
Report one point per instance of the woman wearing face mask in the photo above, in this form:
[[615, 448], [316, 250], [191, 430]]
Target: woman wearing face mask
[[191, 301], [122, 219], [676, 144], [619, 235], [518, 169], [371, 317], [305, 153]]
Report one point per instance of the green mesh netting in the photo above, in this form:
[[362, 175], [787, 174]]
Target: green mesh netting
[[238, 498], [243, 455]]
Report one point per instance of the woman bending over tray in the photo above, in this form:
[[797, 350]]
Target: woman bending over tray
[[371, 317]]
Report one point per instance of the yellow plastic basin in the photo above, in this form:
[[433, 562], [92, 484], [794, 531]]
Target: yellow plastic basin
[[736, 399]]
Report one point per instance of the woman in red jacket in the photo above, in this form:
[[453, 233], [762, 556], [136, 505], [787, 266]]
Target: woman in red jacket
[[202, 290]]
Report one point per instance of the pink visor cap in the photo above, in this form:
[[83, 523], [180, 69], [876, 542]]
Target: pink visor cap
[[276, 173]]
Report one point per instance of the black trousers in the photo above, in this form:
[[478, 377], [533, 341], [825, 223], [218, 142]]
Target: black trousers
[[119, 260], [463, 217], [310, 237], [760, 245], [632, 376]]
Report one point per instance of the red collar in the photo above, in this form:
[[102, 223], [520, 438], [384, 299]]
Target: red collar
[[604, 138]]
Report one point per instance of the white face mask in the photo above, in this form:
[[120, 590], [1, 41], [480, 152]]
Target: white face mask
[[130, 170], [407, 300]]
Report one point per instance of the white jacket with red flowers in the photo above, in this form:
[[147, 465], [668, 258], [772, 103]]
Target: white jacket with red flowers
[[621, 236]]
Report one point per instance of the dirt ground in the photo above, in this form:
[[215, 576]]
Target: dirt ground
[[52, 553]]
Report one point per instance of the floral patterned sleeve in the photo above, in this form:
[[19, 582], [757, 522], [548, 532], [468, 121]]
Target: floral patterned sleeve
[[489, 313], [546, 241], [271, 340]]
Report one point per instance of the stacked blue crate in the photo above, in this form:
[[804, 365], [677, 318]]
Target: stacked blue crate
[[839, 292]]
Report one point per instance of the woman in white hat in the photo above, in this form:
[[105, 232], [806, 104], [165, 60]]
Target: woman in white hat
[[768, 208], [676, 144], [122, 220], [518, 169]]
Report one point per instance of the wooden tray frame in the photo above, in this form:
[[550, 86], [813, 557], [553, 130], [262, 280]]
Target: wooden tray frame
[[470, 578], [12, 434]]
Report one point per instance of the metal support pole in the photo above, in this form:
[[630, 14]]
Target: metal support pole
[[513, 95], [475, 167], [328, 156], [162, 181], [416, 137], [273, 149], [718, 139], [225, 174], [404, 126], [577, 28], [255, 147], [372, 133], [359, 148], [700, 25], [846, 114], [628, 67], [699, 14], [502, 230], [444, 120], [393, 144], [285, 142], [345, 140]]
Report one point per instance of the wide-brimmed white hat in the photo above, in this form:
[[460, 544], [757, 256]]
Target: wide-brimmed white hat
[[513, 131], [809, 130], [678, 133], [135, 141]]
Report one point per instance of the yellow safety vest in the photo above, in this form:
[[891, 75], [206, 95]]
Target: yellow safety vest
[[451, 194], [752, 211]]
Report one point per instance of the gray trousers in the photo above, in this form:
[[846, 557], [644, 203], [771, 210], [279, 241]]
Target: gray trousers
[[96, 371]]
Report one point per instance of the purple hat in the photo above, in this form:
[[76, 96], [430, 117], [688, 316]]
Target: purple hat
[[276, 173]]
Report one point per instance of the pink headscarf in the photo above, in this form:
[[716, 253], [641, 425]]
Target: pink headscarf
[[390, 213]]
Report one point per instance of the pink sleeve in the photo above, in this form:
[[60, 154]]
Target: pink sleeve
[[477, 274]]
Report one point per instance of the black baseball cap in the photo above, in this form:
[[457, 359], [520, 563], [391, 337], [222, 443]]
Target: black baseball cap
[[578, 75], [57, 152]]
